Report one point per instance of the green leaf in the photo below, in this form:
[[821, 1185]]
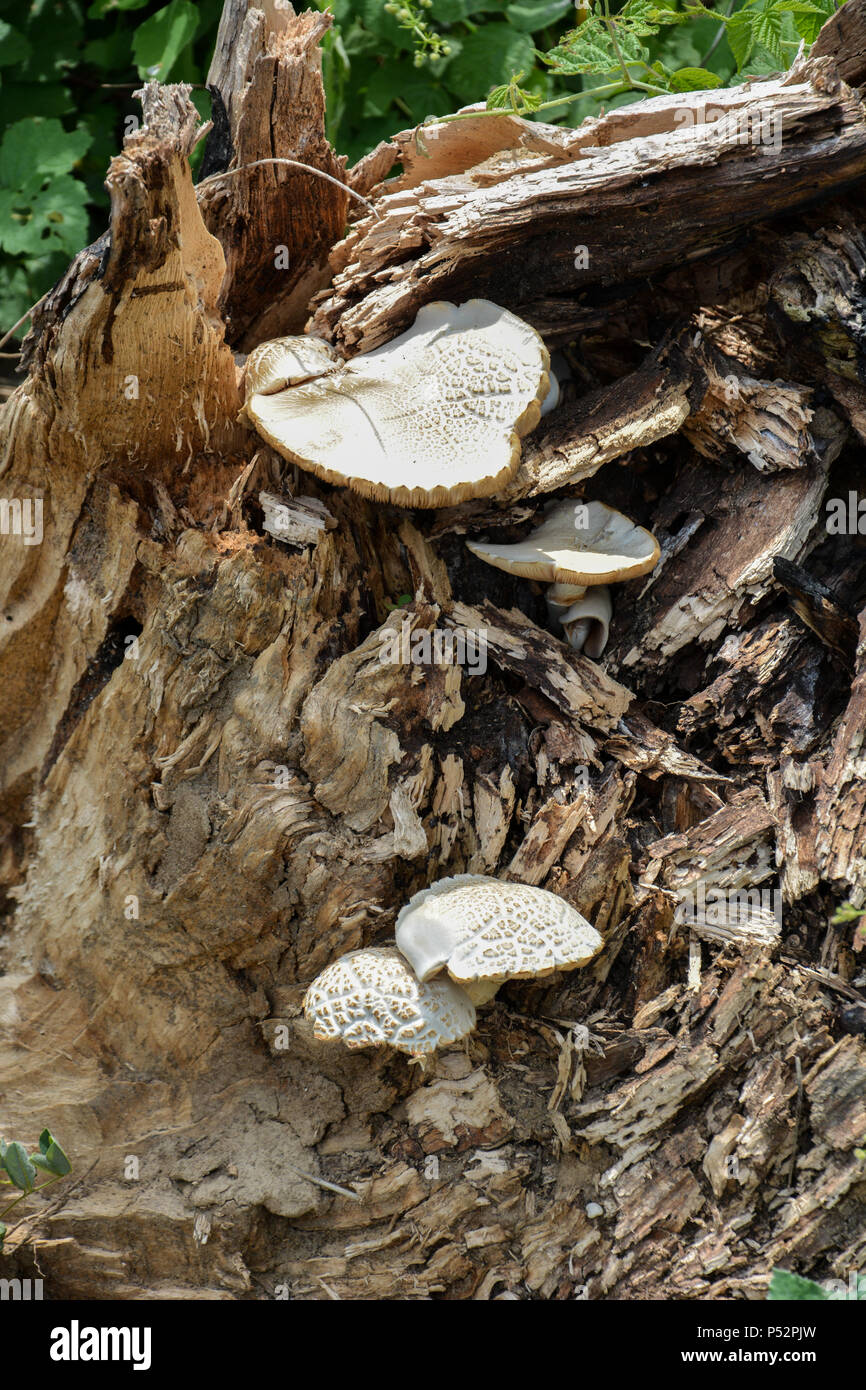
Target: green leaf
[[51, 1158], [590, 49], [529, 16], [740, 33], [767, 29], [3, 1231], [15, 293], [158, 42], [34, 149], [489, 56], [111, 54], [450, 11], [384, 25], [54, 218], [14, 48], [810, 19], [20, 99], [657, 16], [694, 80], [786, 1287], [636, 16], [19, 1167], [417, 92], [101, 7]]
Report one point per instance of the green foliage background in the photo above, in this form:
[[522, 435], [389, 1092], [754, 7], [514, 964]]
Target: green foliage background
[[68, 70]]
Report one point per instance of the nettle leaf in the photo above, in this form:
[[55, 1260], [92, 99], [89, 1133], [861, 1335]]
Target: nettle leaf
[[158, 42], [531, 15], [14, 48], [657, 16], [767, 29], [740, 33], [54, 218], [19, 1167], [809, 19], [590, 49], [499, 97], [33, 149], [694, 80], [636, 15], [488, 56]]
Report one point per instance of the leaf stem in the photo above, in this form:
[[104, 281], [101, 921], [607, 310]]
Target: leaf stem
[[611, 29], [22, 1195]]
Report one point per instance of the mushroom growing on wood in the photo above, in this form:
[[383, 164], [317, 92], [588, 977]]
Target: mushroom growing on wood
[[579, 549], [483, 932], [371, 996], [431, 418]]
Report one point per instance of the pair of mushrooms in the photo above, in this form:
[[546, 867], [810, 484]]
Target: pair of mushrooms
[[436, 416], [455, 944]]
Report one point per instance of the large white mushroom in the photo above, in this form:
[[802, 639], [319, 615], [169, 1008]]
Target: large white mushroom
[[483, 931], [431, 418], [579, 549], [371, 997]]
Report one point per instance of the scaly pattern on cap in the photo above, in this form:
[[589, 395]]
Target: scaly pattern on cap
[[483, 929], [431, 418], [370, 997]]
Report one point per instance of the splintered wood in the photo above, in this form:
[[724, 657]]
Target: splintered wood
[[247, 714]]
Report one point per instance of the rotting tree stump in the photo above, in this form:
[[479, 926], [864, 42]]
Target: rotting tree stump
[[211, 787]]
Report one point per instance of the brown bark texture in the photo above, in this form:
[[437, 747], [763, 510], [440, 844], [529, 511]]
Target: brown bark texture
[[212, 787]]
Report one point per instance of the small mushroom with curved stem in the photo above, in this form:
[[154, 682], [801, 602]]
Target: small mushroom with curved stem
[[483, 931], [371, 997], [559, 372], [584, 615], [579, 549], [433, 417]]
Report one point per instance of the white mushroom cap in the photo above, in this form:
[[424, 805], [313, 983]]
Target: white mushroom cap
[[587, 621], [370, 997], [481, 929], [428, 419], [285, 362], [609, 548]]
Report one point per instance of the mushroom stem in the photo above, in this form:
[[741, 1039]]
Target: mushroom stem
[[587, 622], [551, 400], [481, 991], [560, 597]]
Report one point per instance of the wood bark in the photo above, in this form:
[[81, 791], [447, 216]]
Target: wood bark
[[212, 786]]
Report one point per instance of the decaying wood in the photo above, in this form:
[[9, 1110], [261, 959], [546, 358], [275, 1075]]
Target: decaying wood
[[636, 202], [221, 771], [276, 223]]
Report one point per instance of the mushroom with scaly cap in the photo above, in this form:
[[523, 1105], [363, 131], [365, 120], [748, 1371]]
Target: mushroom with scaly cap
[[371, 996], [578, 563], [431, 418], [483, 932]]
